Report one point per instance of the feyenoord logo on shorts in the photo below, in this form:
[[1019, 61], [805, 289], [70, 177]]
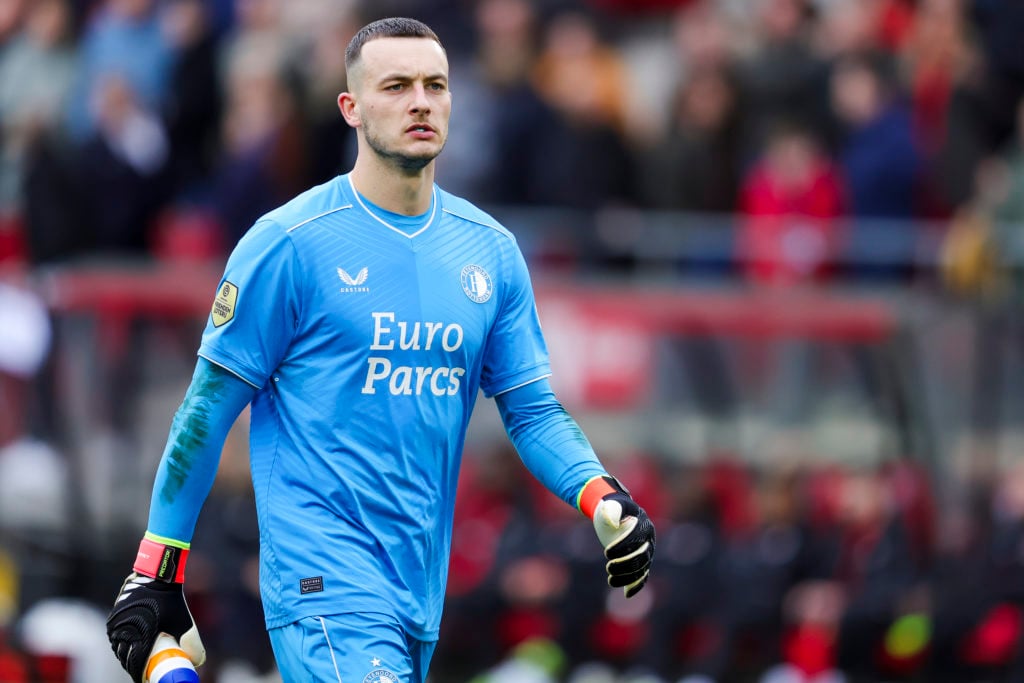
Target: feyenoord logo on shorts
[[476, 283], [380, 676]]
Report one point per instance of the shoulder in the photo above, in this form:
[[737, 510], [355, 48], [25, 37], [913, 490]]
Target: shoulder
[[468, 212], [308, 208]]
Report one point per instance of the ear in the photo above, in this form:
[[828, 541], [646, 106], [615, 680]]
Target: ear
[[347, 106]]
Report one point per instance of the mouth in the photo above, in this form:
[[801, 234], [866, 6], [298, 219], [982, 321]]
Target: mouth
[[421, 131]]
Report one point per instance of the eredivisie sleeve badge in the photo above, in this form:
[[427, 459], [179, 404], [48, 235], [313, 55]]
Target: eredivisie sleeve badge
[[224, 304]]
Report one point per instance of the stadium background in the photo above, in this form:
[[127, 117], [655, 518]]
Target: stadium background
[[776, 245]]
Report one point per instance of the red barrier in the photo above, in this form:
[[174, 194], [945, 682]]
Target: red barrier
[[601, 336], [187, 291]]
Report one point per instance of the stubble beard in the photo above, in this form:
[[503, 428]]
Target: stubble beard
[[403, 162]]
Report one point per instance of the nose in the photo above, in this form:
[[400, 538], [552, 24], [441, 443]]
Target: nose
[[420, 103]]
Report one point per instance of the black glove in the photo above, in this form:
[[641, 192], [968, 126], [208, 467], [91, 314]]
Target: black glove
[[145, 608], [625, 531]]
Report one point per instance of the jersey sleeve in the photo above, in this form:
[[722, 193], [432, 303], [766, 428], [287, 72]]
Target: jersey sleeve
[[549, 441], [257, 306], [516, 353], [188, 467]]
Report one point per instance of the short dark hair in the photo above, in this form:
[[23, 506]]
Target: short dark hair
[[391, 27]]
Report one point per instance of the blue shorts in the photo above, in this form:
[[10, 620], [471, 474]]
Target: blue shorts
[[350, 648]]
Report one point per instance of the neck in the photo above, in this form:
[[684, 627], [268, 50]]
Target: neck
[[405, 192]]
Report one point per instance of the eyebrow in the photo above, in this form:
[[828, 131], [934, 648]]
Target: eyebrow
[[439, 76]]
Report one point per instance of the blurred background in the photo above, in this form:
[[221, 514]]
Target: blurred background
[[777, 247]]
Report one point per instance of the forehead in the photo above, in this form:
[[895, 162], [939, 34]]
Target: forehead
[[409, 57]]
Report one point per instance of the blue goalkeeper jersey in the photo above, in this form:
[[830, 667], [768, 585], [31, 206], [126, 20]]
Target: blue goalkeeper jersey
[[368, 336]]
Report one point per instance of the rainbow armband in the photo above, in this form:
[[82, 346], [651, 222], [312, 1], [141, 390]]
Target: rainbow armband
[[162, 558]]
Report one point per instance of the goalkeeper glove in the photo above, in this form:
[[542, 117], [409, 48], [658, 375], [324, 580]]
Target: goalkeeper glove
[[151, 602], [624, 529]]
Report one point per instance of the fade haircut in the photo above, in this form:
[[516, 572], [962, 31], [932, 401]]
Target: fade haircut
[[392, 27]]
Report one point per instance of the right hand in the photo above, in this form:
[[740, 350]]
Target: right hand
[[146, 607]]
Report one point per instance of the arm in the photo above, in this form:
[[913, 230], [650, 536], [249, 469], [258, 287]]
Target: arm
[[548, 440], [555, 450], [152, 600], [213, 402]]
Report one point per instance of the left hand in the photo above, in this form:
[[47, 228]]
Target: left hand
[[627, 534]]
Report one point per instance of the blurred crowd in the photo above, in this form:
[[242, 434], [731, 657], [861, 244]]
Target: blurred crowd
[[797, 570], [161, 129], [790, 572], [166, 126]]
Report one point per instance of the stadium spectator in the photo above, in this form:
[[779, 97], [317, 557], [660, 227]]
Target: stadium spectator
[[791, 202], [505, 131], [845, 27], [696, 165], [936, 59], [37, 66], [192, 109], [876, 573], [581, 76], [999, 25], [877, 156], [38, 187], [781, 78], [330, 144], [122, 38], [263, 159], [976, 588], [122, 168], [762, 565], [684, 634]]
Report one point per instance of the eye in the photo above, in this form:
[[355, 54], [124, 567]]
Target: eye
[[436, 87], [395, 87]]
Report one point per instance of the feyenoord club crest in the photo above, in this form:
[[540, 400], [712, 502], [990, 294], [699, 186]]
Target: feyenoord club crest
[[476, 283], [380, 676]]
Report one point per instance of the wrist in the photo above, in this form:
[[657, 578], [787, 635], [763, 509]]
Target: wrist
[[593, 492], [162, 559]]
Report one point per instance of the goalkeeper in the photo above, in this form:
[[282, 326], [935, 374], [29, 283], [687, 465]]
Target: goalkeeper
[[360, 320]]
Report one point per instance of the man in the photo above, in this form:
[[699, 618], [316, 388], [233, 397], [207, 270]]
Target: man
[[360, 320]]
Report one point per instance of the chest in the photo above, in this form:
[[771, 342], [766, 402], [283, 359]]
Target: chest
[[427, 300]]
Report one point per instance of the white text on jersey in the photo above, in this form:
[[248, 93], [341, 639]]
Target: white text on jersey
[[410, 380]]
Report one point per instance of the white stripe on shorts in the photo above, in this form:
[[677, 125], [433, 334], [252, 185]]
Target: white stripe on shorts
[[330, 648]]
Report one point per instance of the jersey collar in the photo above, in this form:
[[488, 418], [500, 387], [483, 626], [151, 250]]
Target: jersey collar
[[413, 225]]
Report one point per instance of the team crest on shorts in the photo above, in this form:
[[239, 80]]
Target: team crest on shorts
[[476, 283], [380, 676]]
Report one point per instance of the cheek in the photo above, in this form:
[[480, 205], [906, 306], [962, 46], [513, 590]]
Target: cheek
[[446, 115]]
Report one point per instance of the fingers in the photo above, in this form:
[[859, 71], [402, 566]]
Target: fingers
[[631, 565], [630, 557], [142, 610], [131, 638], [123, 651], [192, 645], [634, 588], [627, 534], [638, 531], [611, 525]]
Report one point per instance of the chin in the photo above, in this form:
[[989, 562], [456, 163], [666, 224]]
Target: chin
[[415, 163], [420, 158]]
